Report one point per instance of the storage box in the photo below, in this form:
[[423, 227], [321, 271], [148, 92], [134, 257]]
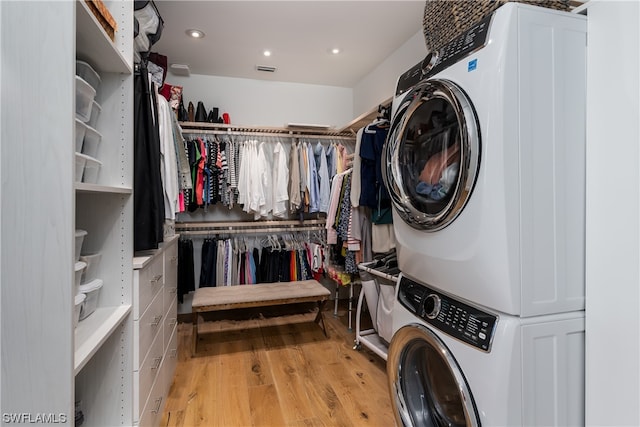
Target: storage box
[[78, 301], [79, 270], [91, 170], [88, 74], [93, 262], [104, 17], [80, 235], [91, 143], [84, 99], [81, 129], [92, 291], [95, 114], [81, 159]]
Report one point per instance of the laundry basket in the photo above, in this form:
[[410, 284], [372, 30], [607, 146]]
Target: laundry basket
[[444, 20]]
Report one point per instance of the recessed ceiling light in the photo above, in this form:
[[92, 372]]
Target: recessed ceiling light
[[196, 34], [267, 53], [335, 51]]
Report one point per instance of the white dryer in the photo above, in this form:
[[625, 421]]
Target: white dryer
[[485, 164], [452, 363]]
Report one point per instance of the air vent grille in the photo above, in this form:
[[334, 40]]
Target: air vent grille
[[265, 68]]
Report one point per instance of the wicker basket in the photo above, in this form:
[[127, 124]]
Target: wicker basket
[[444, 20]]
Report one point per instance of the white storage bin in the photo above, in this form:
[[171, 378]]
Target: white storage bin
[[78, 301], [81, 160], [84, 99], [95, 113], [92, 140], [79, 269], [81, 129], [91, 170], [93, 261], [80, 235], [88, 74], [92, 291]]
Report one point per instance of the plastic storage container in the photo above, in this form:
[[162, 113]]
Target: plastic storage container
[[79, 270], [80, 235], [92, 291], [91, 143], [91, 170], [84, 99], [88, 74], [93, 261], [81, 130], [95, 114], [81, 160], [79, 300]]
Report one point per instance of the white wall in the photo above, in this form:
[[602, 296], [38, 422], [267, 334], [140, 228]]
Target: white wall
[[267, 103], [613, 215], [380, 84]]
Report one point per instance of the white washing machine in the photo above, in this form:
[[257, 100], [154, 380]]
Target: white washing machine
[[485, 164], [451, 363]]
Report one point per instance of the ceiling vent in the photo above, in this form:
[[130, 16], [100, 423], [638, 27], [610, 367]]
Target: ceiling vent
[[265, 68], [180, 69]]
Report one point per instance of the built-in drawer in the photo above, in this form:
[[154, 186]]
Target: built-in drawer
[[170, 321], [170, 361], [148, 373], [146, 329], [170, 293], [146, 284], [151, 415]]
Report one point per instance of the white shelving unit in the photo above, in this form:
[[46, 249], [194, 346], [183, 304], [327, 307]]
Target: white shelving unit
[[103, 341], [46, 365]]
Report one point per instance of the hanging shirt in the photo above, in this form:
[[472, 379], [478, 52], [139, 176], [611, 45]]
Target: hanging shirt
[[314, 192], [294, 179], [279, 181], [168, 158], [355, 175], [331, 160], [324, 187]]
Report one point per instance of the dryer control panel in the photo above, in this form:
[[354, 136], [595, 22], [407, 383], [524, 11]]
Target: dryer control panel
[[462, 321]]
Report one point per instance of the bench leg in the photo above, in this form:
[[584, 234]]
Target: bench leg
[[194, 338], [320, 317]]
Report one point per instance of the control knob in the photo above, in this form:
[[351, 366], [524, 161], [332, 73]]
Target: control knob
[[431, 306], [428, 62]]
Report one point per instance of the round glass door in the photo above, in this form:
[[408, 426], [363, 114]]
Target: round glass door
[[432, 155], [427, 386]]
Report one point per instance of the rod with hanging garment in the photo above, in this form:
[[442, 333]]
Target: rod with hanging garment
[[266, 134], [249, 227]]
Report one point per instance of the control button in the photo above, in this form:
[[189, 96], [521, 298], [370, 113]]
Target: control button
[[482, 336], [432, 306], [429, 61]]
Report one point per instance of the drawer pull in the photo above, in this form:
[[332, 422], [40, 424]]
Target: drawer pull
[[174, 353], [173, 322], [156, 320], [174, 259], [157, 408], [173, 291], [156, 363], [156, 279]]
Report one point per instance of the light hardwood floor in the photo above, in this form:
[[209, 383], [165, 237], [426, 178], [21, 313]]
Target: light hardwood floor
[[277, 371]]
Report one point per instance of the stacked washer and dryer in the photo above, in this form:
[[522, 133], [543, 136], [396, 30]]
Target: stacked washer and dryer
[[485, 163]]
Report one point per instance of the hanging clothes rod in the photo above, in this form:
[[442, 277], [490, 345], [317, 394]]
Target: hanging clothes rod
[[265, 134], [268, 230], [244, 225]]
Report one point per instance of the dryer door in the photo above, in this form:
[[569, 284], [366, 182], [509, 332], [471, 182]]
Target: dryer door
[[432, 154], [427, 386]]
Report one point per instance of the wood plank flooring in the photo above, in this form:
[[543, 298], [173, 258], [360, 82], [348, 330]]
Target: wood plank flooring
[[277, 371]]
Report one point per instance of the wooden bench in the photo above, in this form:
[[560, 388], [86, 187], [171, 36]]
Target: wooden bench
[[259, 295]]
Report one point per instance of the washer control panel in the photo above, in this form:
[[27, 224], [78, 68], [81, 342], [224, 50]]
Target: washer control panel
[[462, 321]]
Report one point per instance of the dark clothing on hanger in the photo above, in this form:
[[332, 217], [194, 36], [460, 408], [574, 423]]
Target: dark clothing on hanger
[[208, 266], [186, 280], [148, 195]]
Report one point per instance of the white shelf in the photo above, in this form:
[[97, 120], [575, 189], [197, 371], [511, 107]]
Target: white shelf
[[83, 187], [93, 331], [94, 45]]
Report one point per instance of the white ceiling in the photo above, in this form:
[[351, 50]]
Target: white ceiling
[[299, 33]]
